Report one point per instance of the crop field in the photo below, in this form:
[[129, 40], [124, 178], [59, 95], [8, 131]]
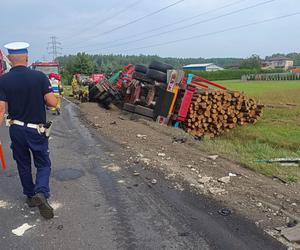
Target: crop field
[[276, 134]]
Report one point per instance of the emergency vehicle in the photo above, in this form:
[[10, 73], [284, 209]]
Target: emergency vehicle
[[46, 67]]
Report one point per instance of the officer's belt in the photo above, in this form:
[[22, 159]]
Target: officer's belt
[[41, 128], [29, 125]]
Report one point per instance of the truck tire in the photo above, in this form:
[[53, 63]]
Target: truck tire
[[141, 68], [142, 77], [163, 67], [93, 93], [157, 75], [144, 111]]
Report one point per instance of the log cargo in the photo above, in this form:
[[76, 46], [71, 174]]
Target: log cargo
[[213, 112]]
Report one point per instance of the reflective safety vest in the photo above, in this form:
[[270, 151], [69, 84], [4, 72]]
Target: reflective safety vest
[[55, 86]]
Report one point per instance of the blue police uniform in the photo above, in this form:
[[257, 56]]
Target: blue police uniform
[[23, 90]]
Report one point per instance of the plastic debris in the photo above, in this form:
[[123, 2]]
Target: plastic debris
[[213, 157], [19, 231], [154, 181], [144, 137]]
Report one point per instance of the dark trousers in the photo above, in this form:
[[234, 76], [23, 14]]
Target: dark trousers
[[26, 140]]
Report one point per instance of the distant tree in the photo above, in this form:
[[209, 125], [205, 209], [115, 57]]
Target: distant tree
[[253, 62], [83, 64]]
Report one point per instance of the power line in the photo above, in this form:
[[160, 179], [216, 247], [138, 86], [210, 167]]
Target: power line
[[174, 23], [54, 48], [136, 20], [191, 25], [215, 32], [104, 20]]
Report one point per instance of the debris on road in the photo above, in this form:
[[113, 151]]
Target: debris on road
[[292, 234], [136, 173], [225, 212], [144, 137], [280, 179], [4, 204], [112, 167], [19, 231], [288, 160], [204, 179], [213, 157], [224, 180], [161, 154], [179, 140], [216, 190], [184, 234], [154, 181]]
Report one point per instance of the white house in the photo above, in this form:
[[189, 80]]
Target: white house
[[278, 62], [202, 67]]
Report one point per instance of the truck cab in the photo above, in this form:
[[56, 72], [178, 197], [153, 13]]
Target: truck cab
[[46, 67]]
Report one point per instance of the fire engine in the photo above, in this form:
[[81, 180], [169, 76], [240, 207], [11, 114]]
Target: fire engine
[[46, 67]]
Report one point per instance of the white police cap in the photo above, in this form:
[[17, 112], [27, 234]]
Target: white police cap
[[17, 47]]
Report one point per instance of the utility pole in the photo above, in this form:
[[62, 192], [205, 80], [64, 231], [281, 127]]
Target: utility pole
[[54, 48]]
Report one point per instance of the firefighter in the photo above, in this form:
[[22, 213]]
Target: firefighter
[[55, 81], [25, 92], [75, 87]]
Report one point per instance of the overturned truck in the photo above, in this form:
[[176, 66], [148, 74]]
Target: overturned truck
[[168, 96]]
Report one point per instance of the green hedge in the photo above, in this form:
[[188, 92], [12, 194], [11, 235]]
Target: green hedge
[[230, 74]]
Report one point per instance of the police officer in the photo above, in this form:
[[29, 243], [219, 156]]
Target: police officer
[[26, 92]]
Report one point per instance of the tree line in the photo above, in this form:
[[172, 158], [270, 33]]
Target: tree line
[[87, 64]]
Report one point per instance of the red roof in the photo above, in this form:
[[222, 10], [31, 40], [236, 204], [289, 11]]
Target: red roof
[[297, 70]]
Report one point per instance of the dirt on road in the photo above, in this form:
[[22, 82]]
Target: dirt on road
[[268, 202]]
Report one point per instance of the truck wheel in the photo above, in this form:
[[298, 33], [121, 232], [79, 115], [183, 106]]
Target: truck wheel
[[157, 75], [163, 67], [93, 93], [142, 77], [141, 68]]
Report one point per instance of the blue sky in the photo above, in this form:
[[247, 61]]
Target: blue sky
[[83, 25]]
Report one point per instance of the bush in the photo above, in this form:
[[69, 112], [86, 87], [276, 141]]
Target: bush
[[230, 74], [223, 74]]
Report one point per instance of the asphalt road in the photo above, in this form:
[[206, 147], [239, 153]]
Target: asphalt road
[[99, 204]]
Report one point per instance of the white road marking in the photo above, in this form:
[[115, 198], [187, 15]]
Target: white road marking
[[22, 229]]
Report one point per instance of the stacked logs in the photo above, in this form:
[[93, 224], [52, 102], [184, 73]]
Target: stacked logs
[[213, 112]]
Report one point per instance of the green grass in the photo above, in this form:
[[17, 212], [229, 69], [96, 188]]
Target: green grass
[[277, 134]]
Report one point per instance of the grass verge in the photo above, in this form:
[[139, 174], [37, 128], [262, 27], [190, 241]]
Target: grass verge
[[277, 134]]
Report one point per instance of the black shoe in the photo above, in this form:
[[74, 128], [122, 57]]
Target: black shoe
[[30, 202], [45, 209]]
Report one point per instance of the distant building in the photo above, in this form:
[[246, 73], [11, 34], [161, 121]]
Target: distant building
[[278, 62], [202, 67]]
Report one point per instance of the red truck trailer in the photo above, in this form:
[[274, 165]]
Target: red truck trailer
[[4, 64]]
